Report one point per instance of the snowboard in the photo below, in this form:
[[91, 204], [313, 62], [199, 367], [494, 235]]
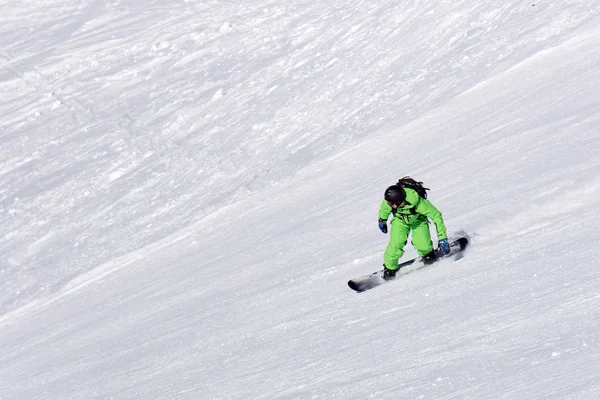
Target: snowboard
[[366, 282]]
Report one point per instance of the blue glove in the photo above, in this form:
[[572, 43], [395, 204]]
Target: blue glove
[[444, 246], [383, 225]]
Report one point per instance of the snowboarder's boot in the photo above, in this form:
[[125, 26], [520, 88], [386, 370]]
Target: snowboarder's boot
[[389, 274], [429, 258]]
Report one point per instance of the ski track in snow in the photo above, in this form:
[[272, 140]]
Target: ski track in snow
[[186, 187]]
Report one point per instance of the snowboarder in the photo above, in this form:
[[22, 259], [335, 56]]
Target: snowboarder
[[411, 212]]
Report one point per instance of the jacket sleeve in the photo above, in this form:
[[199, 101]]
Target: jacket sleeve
[[426, 208], [385, 210]]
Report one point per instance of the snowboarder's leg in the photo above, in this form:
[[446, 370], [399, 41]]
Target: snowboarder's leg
[[395, 249], [421, 238]]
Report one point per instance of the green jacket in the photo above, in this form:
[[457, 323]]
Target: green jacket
[[416, 209]]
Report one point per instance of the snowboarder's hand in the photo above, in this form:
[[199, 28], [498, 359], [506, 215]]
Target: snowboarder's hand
[[382, 225], [444, 246]]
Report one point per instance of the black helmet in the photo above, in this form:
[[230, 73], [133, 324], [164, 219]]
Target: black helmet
[[394, 194]]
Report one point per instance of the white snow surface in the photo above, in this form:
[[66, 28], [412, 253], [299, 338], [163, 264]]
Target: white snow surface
[[187, 186]]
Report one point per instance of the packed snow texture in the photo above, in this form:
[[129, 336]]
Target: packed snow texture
[[186, 187]]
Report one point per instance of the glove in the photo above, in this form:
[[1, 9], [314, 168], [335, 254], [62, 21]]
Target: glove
[[383, 225], [444, 246]]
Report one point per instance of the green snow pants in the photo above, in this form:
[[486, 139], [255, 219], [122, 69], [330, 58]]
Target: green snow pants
[[421, 240]]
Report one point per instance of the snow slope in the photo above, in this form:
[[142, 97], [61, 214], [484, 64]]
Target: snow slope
[[186, 187]]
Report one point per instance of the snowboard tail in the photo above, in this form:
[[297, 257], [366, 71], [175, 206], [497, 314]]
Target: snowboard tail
[[366, 282]]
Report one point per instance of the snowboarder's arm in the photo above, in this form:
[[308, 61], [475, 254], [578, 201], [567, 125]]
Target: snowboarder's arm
[[385, 210], [426, 208]]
